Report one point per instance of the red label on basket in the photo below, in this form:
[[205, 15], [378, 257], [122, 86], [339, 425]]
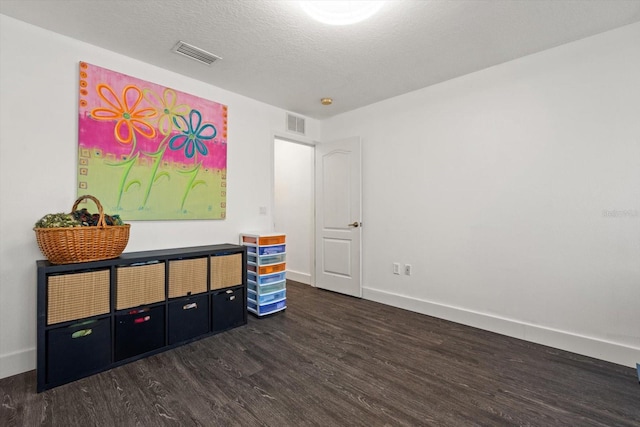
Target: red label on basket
[[141, 319]]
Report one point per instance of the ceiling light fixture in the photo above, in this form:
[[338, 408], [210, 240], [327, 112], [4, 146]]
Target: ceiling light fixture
[[341, 12], [326, 101]]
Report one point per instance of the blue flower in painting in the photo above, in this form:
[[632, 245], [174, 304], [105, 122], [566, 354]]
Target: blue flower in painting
[[193, 135]]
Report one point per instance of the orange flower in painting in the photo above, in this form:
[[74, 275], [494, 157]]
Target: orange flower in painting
[[124, 112]]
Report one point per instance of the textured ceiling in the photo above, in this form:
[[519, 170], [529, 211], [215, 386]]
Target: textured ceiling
[[274, 53]]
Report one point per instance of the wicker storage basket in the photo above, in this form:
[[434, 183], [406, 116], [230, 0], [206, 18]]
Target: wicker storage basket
[[226, 270], [67, 245]]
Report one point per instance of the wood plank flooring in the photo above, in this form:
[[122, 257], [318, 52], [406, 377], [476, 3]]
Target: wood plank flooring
[[333, 360]]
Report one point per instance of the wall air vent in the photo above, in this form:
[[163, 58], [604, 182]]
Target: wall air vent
[[295, 124], [195, 53]]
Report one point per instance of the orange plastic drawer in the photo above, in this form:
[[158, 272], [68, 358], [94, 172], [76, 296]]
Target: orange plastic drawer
[[271, 240], [255, 239], [275, 268], [249, 239]]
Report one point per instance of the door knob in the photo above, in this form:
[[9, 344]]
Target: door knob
[[355, 224]]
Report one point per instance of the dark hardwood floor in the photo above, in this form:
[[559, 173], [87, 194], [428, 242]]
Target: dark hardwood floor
[[333, 360]]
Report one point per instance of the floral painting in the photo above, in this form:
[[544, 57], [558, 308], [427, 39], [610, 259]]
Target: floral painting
[[148, 152]]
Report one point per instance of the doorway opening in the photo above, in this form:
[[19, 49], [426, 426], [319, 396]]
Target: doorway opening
[[294, 205]]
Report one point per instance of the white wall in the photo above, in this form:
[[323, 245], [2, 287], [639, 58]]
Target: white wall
[[38, 146], [293, 214], [515, 194]]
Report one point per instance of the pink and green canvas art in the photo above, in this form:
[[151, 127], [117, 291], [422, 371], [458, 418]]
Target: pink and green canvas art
[[148, 152]]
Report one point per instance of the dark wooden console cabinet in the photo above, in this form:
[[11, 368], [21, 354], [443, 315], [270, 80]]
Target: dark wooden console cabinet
[[94, 316]]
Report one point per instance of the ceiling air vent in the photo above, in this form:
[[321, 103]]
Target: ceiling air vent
[[295, 124], [195, 53]]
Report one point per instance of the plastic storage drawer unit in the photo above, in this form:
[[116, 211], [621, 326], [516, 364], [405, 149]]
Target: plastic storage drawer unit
[[266, 272]]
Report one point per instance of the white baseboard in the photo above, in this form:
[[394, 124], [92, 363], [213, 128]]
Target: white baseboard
[[17, 362], [299, 277], [587, 346]]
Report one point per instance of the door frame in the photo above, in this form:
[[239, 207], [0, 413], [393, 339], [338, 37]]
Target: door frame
[[294, 139]]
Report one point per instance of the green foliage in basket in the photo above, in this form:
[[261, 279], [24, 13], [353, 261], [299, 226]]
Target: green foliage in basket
[[58, 220]]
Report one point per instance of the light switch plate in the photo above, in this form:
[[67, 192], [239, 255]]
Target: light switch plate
[[396, 268]]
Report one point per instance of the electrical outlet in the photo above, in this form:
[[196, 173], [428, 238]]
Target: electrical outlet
[[262, 210], [396, 268], [407, 269]]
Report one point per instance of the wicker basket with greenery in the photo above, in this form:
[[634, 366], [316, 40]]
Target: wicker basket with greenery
[[65, 240]]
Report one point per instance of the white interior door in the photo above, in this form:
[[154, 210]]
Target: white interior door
[[338, 216]]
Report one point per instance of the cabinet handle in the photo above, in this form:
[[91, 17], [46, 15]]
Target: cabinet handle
[[229, 291], [190, 306], [232, 298], [81, 333], [142, 319]]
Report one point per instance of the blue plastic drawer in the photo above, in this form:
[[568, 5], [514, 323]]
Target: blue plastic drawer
[[273, 287], [252, 285], [271, 278], [265, 298], [266, 259], [265, 279], [263, 309], [266, 250], [268, 288]]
